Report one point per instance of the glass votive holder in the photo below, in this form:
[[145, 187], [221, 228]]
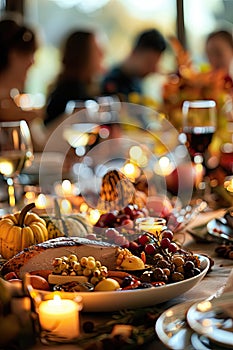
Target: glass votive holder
[[57, 316], [153, 225]]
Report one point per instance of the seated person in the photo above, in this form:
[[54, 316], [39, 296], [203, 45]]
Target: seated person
[[18, 45], [219, 50], [143, 59], [81, 63]]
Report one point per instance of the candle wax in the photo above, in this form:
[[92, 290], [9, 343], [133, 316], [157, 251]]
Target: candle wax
[[61, 317]]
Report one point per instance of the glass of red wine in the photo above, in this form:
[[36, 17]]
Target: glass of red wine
[[199, 125]]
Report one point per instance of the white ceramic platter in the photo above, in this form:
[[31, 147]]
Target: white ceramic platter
[[112, 301]]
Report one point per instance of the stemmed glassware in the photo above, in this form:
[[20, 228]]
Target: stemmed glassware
[[16, 153], [199, 125]]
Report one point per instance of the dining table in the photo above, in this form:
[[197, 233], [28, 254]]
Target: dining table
[[211, 285], [48, 173]]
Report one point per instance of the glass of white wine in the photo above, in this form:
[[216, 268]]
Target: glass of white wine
[[16, 153]]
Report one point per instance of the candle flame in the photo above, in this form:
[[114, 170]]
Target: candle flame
[[57, 298]]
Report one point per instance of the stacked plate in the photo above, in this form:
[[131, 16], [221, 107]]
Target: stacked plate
[[218, 229], [205, 325]]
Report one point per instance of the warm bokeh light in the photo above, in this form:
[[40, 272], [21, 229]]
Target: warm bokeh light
[[131, 171], [204, 306], [66, 206], [83, 208], [135, 152], [6, 168], [138, 156], [66, 187], [228, 185], [75, 138], [94, 216], [41, 201], [164, 166]]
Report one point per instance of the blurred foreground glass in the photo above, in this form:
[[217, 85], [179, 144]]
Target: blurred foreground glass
[[16, 153]]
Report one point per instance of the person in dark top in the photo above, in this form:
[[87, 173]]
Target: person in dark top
[[82, 61], [143, 59]]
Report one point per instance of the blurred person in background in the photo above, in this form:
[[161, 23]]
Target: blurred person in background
[[219, 50], [126, 77], [18, 44], [82, 62]]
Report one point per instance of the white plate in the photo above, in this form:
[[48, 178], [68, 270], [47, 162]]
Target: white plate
[[172, 329], [214, 319], [112, 301], [175, 333], [218, 229]]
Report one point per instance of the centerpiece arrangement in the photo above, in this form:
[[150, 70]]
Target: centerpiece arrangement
[[115, 257]]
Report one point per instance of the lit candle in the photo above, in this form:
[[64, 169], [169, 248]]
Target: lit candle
[[151, 224], [60, 316]]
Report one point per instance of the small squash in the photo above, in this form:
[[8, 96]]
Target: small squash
[[21, 230], [66, 225]]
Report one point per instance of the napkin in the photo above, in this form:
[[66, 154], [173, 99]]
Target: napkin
[[197, 228]]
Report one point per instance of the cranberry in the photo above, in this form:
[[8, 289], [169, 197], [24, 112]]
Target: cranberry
[[150, 249], [143, 239], [106, 220], [172, 247], [165, 243], [133, 245], [129, 211], [122, 217], [167, 234]]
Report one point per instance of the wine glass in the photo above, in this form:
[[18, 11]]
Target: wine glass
[[199, 125], [16, 153]]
